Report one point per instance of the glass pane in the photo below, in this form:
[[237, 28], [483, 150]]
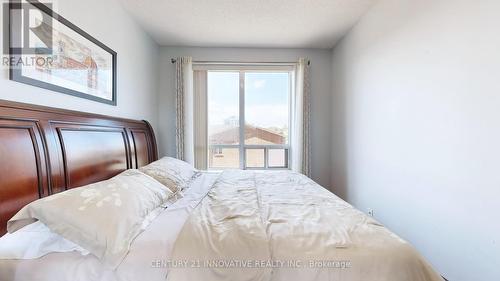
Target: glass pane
[[224, 158], [223, 107], [267, 107], [255, 158], [277, 158]]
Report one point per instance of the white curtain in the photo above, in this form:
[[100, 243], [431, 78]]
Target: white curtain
[[184, 109], [200, 120], [300, 137], [191, 131]]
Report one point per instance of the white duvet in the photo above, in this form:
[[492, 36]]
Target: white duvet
[[282, 226], [248, 225]]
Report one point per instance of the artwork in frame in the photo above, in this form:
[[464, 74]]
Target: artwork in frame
[[50, 52]]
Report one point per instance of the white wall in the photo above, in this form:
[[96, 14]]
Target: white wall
[[416, 128], [108, 22], [320, 86]]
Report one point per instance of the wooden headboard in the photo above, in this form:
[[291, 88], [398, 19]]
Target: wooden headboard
[[45, 150]]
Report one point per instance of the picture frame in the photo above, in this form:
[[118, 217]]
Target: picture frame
[[54, 54]]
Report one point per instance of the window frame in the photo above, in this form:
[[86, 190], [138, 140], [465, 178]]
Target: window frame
[[242, 146]]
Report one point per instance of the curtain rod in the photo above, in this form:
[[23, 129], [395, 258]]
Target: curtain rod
[[173, 60]]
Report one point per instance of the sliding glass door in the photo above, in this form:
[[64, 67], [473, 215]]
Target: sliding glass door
[[249, 119]]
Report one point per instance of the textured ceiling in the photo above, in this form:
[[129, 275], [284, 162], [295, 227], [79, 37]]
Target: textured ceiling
[[247, 23]]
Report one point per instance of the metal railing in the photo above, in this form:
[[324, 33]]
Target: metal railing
[[242, 154]]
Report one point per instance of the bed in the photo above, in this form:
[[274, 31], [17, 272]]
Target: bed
[[230, 225]]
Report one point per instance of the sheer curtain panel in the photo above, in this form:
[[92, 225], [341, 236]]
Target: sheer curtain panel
[[184, 131], [300, 135]]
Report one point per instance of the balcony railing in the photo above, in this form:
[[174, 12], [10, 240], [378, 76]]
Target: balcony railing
[[272, 156]]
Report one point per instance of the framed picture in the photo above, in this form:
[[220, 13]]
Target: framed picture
[[52, 53]]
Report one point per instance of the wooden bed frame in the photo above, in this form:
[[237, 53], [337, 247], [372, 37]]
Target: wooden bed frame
[[46, 150]]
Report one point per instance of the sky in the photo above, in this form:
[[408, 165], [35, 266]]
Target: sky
[[266, 98]]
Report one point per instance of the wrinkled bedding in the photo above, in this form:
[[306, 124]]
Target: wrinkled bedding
[[281, 225], [247, 225]]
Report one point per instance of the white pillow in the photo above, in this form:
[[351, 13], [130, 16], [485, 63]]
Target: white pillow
[[102, 218], [33, 241], [173, 173], [36, 240]]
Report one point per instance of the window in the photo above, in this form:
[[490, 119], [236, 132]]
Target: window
[[248, 118]]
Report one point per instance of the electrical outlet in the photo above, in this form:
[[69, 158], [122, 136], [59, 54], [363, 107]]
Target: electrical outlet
[[370, 212]]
